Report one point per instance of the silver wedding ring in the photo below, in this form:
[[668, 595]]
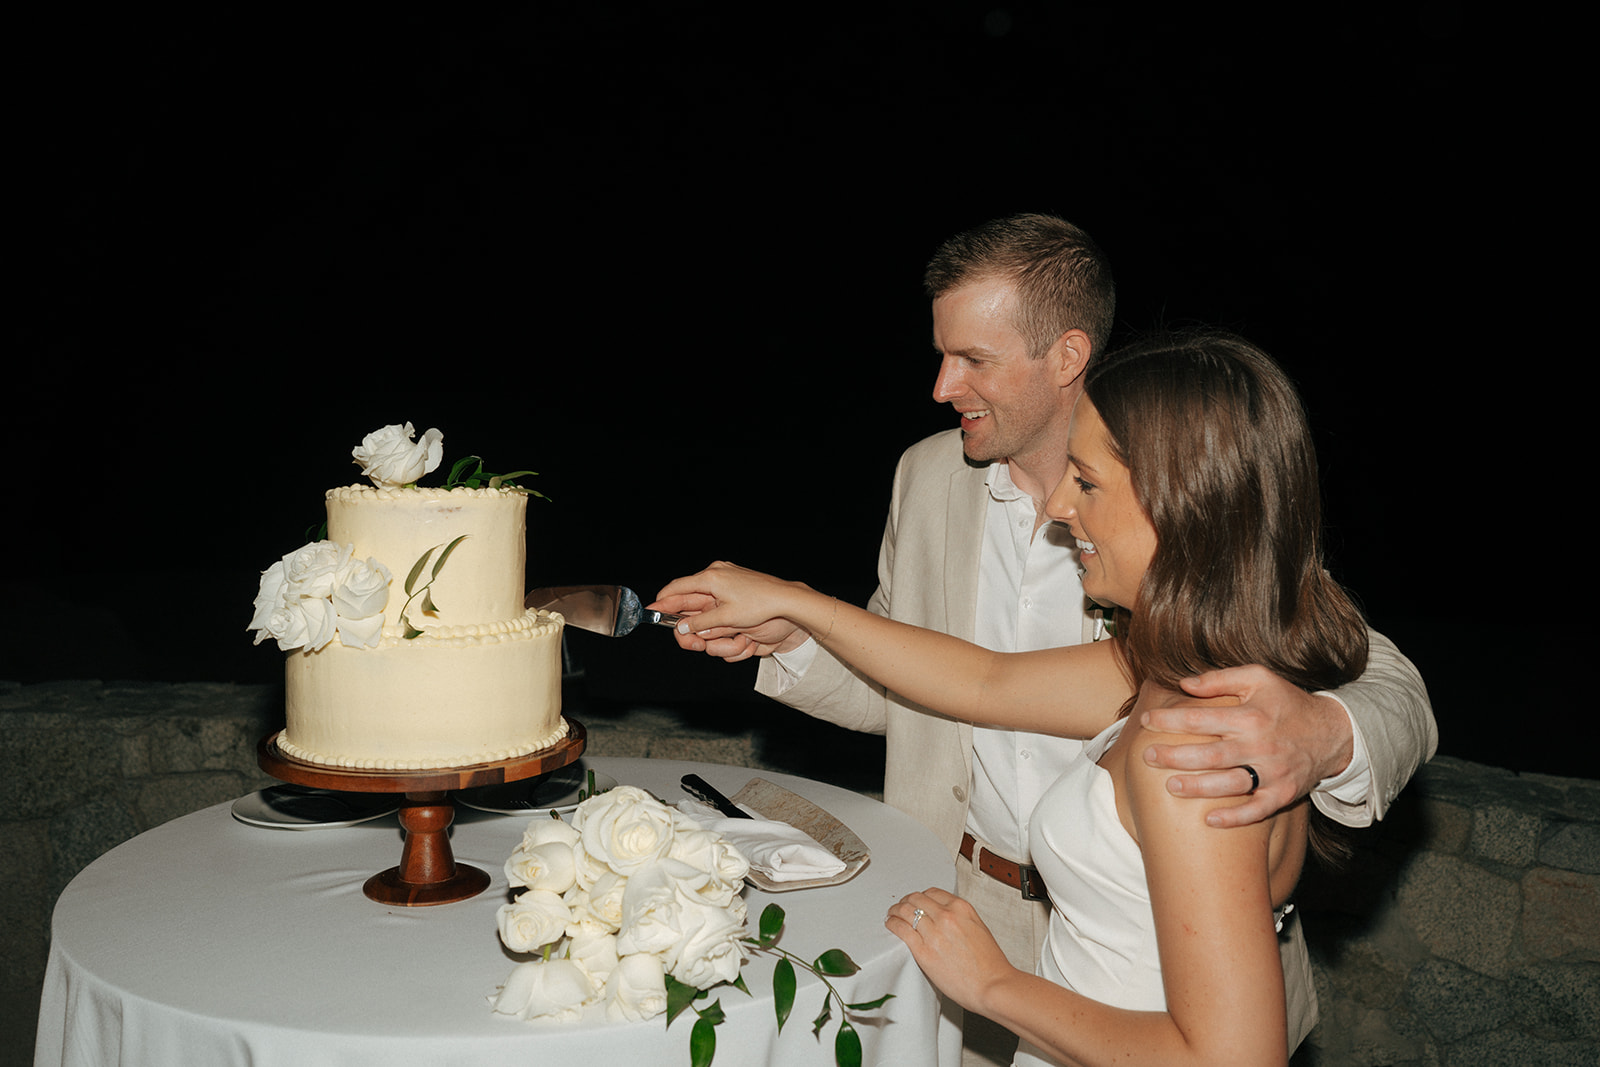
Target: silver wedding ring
[[916, 917]]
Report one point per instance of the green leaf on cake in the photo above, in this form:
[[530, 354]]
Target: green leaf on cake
[[445, 555], [416, 571], [478, 478], [457, 467], [412, 592]]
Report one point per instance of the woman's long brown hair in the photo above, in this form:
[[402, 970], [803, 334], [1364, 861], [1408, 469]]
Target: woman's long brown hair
[[1216, 442]]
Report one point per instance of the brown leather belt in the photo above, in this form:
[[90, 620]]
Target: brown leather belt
[[1019, 876]]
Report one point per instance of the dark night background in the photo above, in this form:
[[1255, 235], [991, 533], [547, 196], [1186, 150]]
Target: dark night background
[[669, 255]]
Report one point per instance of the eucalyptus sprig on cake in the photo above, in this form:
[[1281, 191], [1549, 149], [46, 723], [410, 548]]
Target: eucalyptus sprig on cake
[[320, 591], [478, 478], [635, 909]]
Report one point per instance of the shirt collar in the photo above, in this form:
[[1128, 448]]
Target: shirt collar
[[1001, 487]]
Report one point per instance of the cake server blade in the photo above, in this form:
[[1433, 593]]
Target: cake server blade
[[613, 610]]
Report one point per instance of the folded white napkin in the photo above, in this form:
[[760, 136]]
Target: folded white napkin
[[776, 849]]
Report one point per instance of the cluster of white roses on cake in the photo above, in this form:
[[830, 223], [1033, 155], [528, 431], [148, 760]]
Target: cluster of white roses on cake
[[627, 894], [320, 590]]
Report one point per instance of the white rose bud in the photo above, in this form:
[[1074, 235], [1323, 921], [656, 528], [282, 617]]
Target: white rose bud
[[268, 602], [533, 920], [710, 852], [709, 950], [359, 597], [543, 829], [636, 990], [306, 623], [597, 955], [598, 909], [549, 867], [590, 870], [702, 887], [556, 989], [650, 911], [625, 828], [389, 457], [312, 570]]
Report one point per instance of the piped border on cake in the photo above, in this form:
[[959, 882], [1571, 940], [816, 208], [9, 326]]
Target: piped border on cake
[[294, 751], [535, 622]]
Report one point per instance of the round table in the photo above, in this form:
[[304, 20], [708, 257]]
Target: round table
[[207, 940]]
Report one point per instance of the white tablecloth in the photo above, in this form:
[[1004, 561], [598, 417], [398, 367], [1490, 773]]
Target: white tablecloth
[[209, 941]]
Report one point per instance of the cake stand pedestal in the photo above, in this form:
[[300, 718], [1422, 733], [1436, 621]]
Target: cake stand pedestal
[[427, 873]]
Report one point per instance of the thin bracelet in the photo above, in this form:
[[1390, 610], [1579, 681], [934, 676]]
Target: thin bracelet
[[831, 620]]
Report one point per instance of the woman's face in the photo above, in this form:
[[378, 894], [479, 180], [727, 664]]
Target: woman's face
[[1095, 498]]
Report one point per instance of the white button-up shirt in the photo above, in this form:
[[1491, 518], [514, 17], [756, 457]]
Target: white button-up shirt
[[1029, 597]]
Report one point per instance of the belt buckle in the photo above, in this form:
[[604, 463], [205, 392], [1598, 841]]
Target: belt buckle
[[1032, 887]]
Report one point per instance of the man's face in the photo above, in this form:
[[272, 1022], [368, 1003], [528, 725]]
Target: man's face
[[1009, 404]]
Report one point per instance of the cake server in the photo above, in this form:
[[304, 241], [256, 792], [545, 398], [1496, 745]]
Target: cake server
[[613, 610], [707, 793]]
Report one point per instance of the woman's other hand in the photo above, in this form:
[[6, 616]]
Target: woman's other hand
[[952, 946]]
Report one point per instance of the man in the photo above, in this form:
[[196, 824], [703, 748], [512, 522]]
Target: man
[[1019, 307]]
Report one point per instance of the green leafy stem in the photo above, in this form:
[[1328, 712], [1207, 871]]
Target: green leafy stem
[[478, 478], [412, 591], [834, 963]]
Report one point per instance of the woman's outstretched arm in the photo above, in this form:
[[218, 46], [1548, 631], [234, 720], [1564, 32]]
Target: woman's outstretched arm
[[1072, 692]]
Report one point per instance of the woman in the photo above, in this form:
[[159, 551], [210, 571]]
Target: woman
[[1192, 491]]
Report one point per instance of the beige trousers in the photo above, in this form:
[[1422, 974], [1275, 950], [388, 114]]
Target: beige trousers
[[1019, 926]]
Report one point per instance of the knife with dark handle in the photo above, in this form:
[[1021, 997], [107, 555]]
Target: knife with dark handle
[[704, 791]]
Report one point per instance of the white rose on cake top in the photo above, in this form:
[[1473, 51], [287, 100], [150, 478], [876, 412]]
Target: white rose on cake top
[[391, 457]]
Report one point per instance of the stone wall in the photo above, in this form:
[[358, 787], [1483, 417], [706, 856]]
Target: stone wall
[[1465, 930]]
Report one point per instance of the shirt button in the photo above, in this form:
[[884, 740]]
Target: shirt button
[[1025, 754]]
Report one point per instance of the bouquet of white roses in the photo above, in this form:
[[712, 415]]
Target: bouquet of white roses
[[629, 893], [636, 907]]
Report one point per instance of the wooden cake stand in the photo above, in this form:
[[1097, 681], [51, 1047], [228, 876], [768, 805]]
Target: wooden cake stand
[[428, 872]]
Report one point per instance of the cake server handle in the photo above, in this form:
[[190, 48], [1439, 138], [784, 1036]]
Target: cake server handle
[[660, 618], [631, 613], [703, 790]]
